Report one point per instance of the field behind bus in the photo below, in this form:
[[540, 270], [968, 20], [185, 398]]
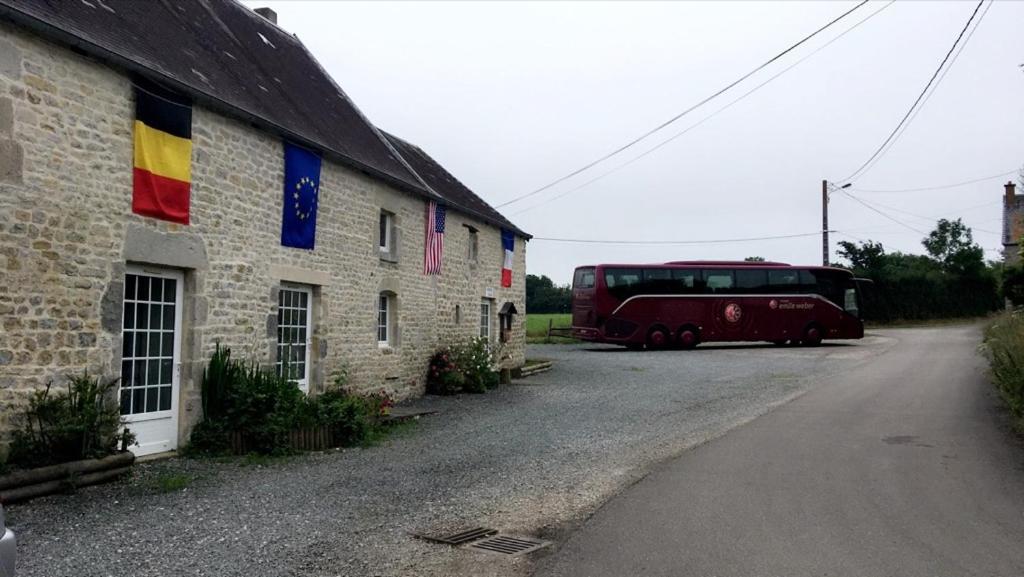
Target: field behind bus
[[537, 327]]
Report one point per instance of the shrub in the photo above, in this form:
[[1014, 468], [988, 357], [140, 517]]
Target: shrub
[[466, 366], [264, 408], [82, 423], [1004, 341]]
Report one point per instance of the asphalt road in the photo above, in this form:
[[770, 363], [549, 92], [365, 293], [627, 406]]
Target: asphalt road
[[898, 466]]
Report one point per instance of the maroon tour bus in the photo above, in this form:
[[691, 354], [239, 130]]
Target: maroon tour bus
[[681, 304]]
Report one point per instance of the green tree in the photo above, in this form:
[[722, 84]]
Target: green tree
[[952, 245], [543, 296]]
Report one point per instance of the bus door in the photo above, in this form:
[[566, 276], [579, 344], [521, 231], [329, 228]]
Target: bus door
[[583, 283]]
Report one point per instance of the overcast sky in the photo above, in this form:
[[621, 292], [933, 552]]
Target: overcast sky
[[510, 96]]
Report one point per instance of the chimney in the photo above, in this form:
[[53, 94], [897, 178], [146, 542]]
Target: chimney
[[1011, 194], [268, 14]]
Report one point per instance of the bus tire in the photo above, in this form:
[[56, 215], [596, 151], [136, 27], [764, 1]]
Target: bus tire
[[812, 335], [634, 347], [780, 342], [688, 337], [657, 337]]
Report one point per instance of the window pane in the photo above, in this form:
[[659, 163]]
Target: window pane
[[142, 284], [129, 316], [718, 280], [152, 398], [138, 400], [166, 371], [139, 374], [383, 230], [141, 316], [126, 374], [168, 317], [752, 280], [154, 344], [583, 279], [126, 401], [165, 398], [785, 280], [622, 282], [156, 291], [129, 287], [126, 344], [167, 348], [153, 372], [170, 292], [140, 344]]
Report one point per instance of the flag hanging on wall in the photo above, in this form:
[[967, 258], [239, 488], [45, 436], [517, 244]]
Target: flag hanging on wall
[[301, 197], [434, 245], [162, 171], [508, 242]]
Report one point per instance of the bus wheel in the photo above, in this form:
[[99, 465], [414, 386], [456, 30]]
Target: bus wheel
[[634, 347], [657, 338], [779, 343], [688, 337], [812, 336]]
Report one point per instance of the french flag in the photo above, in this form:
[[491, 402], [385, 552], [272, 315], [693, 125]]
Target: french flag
[[508, 242]]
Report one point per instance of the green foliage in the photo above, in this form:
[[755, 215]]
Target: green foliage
[[543, 296], [171, 482], [1013, 284], [83, 422], [466, 366], [953, 281], [1004, 341], [264, 408]]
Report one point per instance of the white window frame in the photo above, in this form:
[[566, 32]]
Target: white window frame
[[302, 383], [485, 315], [385, 306], [389, 234]]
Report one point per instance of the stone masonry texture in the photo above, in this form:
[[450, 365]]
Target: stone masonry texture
[[67, 234]]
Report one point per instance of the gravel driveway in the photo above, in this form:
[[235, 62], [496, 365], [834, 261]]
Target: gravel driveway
[[535, 458]]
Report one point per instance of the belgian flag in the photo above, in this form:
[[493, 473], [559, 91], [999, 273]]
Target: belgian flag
[[162, 175]]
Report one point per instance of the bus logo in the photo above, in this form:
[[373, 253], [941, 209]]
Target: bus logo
[[733, 312], [773, 304]]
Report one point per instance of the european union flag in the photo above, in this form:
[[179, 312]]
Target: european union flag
[[301, 191]]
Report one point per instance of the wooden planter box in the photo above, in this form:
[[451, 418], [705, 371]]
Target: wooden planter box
[[311, 439], [24, 485]]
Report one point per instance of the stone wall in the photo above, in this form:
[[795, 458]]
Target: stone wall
[[67, 234]]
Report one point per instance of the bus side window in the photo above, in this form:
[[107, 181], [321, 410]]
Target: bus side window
[[718, 281], [687, 281], [751, 281], [783, 281], [808, 284], [657, 281], [623, 283]]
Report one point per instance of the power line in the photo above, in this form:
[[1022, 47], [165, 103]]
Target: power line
[[705, 119], [656, 242], [683, 113], [917, 101], [873, 209], [940, 187]]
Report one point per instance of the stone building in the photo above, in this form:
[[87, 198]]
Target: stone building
[[88, 284], [1013, 223]]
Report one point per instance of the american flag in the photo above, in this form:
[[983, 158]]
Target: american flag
[[435, 239]]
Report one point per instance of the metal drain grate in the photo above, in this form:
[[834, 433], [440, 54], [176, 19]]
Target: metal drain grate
[[510, 545], [462, 537]]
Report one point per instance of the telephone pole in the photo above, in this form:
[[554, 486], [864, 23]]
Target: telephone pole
[[825, 186], [824, 223]]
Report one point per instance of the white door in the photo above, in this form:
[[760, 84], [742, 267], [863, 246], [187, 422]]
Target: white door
[[150, 357]]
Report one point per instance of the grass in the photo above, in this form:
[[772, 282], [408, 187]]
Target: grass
[[1004, 343], [171, 482], [537, 327]]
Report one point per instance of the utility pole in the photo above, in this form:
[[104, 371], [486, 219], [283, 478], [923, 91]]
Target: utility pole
[[824, 223]]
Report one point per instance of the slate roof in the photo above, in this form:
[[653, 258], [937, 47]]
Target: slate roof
[[233, 61], [447, 186]]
